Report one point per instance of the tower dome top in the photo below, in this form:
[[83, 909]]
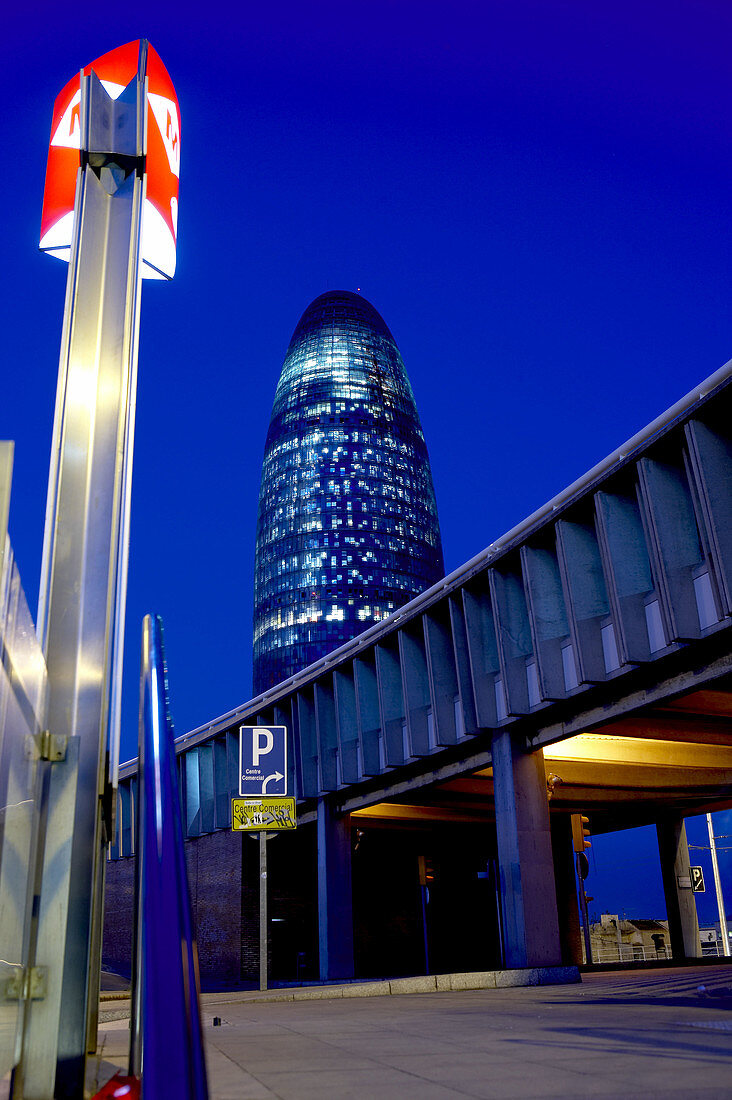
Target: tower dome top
[[340, 305]]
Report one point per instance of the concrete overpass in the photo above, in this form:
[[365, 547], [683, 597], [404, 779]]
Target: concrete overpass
[[583, 662]]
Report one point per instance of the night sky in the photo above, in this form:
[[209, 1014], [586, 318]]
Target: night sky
[[535, 196]]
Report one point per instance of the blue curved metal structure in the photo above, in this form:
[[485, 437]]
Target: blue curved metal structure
[[167, 1040]]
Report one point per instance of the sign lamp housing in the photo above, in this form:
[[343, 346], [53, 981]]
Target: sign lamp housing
[[162, 158]]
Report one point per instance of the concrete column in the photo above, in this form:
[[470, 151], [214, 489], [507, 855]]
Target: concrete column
[[335, 905], [528, 893], [570, 937], [683, 925]]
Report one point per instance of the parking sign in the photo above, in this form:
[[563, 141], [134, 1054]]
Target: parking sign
[[697, 879], [262, 760]]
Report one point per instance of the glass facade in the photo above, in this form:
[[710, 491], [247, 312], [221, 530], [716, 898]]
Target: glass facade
[[347, 529]]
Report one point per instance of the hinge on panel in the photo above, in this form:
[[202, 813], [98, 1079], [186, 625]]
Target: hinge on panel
[[108, 800], [26, 984], [46, 746]]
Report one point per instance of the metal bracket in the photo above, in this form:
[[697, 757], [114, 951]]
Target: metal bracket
[[46, 746], [26, 985], [108, 799]]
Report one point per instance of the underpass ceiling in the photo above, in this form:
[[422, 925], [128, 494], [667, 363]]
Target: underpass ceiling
[[661, 760]]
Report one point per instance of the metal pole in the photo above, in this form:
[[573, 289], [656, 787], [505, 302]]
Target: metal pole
[[263, 937], [583, 910], [138, 916], [718, 887], [495, 880], [425, 934], [81, 577]]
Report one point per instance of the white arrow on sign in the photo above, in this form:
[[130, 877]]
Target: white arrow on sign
[[275, 776]]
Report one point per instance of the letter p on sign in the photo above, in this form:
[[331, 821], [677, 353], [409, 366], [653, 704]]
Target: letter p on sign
[[262, 744]]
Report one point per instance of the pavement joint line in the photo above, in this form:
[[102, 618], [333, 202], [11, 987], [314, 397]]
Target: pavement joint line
[[430, 983]]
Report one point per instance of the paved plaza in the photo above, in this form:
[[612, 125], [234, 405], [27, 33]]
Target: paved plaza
[[648, 1034]]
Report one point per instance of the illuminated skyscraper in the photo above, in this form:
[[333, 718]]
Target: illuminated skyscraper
[[347, 529]]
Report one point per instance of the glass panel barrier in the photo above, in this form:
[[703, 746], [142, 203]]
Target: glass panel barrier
[[22, 698]]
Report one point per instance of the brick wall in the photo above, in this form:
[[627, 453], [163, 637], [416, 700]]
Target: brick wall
[[118, 901], [214, 881]]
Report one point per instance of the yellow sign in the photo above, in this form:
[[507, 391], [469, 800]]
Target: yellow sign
[[260, 814]]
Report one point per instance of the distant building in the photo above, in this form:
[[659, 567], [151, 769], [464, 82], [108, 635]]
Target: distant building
[[711, 938], [616, 940], [347, 529]]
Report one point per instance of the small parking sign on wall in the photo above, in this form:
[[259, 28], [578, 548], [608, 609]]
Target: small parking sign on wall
[[697, 879]]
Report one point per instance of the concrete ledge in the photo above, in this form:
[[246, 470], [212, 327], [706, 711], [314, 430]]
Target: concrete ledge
[[367, 989], [427, 983], [308, 993], [539, 975], [486, 979], [108, 1014]]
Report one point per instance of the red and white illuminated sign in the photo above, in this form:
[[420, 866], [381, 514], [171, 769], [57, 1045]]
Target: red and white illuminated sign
[[160, 214]]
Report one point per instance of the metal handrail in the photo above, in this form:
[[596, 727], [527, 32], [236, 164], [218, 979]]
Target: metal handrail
[[631, 953]]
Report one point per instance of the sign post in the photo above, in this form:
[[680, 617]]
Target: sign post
[[110, 208], [718, 887], [583, 869], [580, 832], [263, 924], [263, 804]]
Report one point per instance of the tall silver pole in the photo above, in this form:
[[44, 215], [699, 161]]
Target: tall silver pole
[[718, 887], [83, 572]]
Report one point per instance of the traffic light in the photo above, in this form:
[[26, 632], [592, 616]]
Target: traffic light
[[580, 832], [426, 870]]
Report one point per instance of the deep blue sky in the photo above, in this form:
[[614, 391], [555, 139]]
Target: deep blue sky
[[535, 196]]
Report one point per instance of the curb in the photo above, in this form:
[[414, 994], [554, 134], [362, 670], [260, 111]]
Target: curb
[[430, 983]]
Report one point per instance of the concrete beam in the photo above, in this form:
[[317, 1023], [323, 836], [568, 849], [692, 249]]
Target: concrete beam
[[669, 726], [656, 691], [607, 751]]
